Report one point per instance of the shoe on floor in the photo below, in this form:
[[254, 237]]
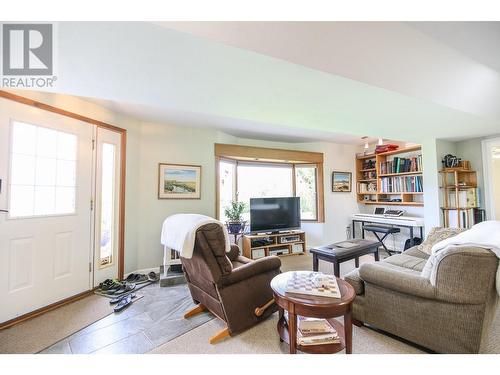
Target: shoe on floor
[[124, 303]]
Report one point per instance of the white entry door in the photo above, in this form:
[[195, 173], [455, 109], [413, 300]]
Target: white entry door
[[107, 194], [46, 185]]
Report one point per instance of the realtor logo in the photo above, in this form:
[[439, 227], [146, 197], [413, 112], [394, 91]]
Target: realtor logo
[[28, 49]]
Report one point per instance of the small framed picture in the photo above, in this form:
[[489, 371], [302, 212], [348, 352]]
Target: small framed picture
[[179, 181], [341, 182]]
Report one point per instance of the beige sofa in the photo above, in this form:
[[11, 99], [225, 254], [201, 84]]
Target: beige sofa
[[448, 311]]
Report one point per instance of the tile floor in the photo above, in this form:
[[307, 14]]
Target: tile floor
[[149, 322]]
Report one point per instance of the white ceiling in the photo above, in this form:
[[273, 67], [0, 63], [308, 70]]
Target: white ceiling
[[478, 40], [295, 81], [448, 63], [232, 126]]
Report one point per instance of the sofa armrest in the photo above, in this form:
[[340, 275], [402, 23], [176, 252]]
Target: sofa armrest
[[391, 278], [248, 270], [234, 252]]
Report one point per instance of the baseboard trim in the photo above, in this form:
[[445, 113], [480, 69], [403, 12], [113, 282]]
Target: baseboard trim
[[45, 309]]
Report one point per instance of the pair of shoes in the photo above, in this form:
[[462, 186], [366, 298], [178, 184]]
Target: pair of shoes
[[124, 288], [124, 302], [153, 276], [109, 284], [136, 278], [115, 300]]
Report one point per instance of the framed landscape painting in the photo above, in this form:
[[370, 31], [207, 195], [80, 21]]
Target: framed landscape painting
[[177, 181], [341, 182]]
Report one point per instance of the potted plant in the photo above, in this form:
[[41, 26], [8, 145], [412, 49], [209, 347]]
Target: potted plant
[[233, 213]]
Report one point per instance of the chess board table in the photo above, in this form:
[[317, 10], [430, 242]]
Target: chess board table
[[314, 307]]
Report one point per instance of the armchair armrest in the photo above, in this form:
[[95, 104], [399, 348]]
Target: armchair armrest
[[391, 278], [234, 252], [251, 269]]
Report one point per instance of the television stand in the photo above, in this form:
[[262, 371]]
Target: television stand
[[260, 245]]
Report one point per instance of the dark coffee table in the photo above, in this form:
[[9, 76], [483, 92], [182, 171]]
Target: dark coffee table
[[315, 307], [336, 255]]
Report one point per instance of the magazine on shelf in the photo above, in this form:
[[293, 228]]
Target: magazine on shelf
[[314, 331]]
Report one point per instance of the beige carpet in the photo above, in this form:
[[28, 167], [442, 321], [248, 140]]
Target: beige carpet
[[263, 338], [38, 333]]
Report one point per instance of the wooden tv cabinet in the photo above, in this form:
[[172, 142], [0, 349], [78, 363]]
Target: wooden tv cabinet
[[276, 244]]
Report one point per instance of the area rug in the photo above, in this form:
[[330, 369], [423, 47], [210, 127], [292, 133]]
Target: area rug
[[38, 333]]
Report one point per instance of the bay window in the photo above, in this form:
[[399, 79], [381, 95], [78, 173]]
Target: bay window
[[270, 177]]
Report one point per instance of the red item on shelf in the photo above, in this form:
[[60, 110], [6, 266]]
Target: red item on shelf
[[385, 148]]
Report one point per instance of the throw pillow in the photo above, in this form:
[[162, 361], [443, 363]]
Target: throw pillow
[[436, 235]]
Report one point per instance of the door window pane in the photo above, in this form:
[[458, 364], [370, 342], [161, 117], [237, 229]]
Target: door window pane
[[21, 200], [107, 203], [45, 199], [305, 180], [23, 169], [43, 171], [27, 133]]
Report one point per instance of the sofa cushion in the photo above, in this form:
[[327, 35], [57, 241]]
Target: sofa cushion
[[436, 235], [355, 281], [407, 261], [415, 252]]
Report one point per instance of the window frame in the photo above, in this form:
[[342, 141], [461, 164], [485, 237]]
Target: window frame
[[305, 165], [257, 155]]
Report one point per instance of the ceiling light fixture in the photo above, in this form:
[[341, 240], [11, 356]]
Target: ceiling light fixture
[[380, 141]]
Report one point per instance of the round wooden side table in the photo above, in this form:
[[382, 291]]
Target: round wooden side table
[[314, 307]]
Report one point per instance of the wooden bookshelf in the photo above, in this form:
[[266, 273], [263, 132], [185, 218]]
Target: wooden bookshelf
[[461, 179], [368, 174]]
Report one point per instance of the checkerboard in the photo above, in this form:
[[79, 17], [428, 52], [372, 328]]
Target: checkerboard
[[303, 283]]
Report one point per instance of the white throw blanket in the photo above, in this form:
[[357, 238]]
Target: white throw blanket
[[179, 232], [484, 235]]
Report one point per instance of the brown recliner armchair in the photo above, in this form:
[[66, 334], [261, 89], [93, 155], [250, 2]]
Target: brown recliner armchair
[[234, 288]]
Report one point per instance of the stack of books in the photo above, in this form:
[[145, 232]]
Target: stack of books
[[407, 184], [313, 331], [401, 165]]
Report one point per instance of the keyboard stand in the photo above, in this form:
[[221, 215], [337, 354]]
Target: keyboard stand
[[385, 230], [410, 227]]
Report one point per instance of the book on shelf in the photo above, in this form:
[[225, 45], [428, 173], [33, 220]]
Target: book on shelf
[[317, 339], [467, 218], [314, 331], [405, 184], [401, 165], [367, 187], [468, 198], [310, 326]]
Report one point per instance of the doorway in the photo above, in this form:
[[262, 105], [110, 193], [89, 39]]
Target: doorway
[[491, 161], [61, 194]]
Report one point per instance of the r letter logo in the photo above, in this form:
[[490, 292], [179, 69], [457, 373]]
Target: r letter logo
[[27, 49]]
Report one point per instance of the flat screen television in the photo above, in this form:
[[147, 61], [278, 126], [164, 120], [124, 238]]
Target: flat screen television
[[274, 214]]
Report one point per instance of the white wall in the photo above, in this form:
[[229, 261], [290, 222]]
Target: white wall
[[170, 144], [150, 143]]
